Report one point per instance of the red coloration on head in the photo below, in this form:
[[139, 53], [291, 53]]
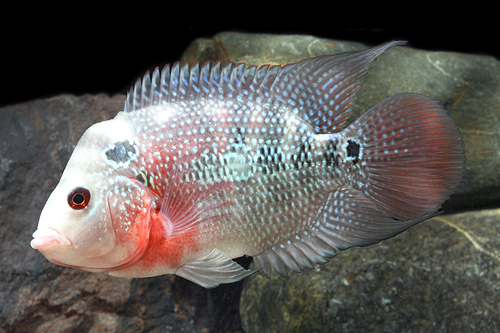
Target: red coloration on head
[[172, 236], [163, 250], [162, 254]]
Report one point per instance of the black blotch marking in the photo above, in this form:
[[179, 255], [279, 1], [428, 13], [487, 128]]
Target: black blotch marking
[[142, 178], [239, 140], [330, 154], [302, 157], [270, 162], [353, 151], [121, 152]]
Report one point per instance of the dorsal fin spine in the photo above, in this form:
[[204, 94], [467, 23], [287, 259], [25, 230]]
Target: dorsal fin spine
[[205, 80], [225, 80], [194, 81], [320, 90], [173, 85], [146, 90], [164, 79], [214, 78], [155, 87]]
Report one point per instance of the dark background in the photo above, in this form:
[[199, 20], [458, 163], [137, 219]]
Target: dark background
[[59, 54]]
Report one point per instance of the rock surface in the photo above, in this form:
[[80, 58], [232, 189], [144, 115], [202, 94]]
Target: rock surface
[[437, 275]]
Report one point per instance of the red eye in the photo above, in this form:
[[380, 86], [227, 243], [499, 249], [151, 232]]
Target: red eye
[[79, 198]]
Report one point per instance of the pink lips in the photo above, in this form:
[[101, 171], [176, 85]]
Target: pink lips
[[45, 237]]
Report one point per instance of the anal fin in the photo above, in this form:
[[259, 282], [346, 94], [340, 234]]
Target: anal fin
[[213, 269], [347, 219]]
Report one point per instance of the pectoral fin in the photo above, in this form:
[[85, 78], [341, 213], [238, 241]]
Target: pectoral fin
[[213, 269]]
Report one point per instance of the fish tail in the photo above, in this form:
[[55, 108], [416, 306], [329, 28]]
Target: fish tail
[[409, 153]]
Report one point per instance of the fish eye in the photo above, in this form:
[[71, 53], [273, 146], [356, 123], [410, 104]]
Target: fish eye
[[79, 198]]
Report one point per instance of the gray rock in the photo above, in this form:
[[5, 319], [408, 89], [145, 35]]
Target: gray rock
[[259, 49], [37, 138]]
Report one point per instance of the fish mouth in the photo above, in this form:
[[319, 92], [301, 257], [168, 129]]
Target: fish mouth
[[46, 237], [59, 250]]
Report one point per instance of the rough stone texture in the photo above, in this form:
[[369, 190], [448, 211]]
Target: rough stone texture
[[436, 276]]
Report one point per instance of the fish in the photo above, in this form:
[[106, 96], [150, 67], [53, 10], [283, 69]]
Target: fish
[[211, 162]]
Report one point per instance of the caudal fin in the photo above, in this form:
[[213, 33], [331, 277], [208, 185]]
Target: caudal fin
[[412, 156]]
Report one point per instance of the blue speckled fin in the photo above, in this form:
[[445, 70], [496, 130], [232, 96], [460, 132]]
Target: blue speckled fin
[[347, 219], [213, 269], [320, 90]]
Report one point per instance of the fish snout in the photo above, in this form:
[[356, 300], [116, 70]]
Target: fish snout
[[43, 238]]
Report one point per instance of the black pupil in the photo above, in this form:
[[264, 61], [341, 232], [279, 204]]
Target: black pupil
[[78, 199]]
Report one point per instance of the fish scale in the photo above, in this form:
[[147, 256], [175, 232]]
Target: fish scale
[[297, 176], [213, 167], [212, 162], [301, 178]]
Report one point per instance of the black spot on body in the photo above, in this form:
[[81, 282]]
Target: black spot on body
[[240, 138], [353, 151], [121, 152], [330, 155], [302, 157], [142, 178], [270, 159]]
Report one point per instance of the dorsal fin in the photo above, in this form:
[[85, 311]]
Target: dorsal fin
[[320, 90]]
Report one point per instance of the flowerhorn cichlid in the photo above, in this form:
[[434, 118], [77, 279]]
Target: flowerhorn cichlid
[[213, 162]]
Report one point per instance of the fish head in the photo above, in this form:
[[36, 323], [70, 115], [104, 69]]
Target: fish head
[[97, 218]]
